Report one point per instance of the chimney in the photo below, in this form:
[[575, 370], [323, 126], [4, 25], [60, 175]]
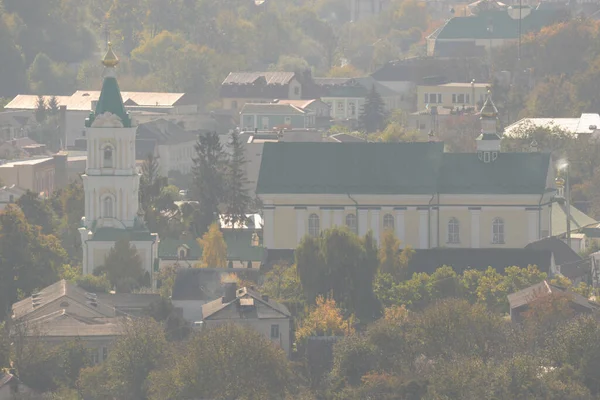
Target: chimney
[[61, 178], [229, 292]]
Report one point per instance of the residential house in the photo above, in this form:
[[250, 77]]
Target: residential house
[[317, 110], [240, 88], [195, 287], [453, 96], [40, 175], [346, 96], [10, 195], [444, 122], [130, 304], [11, 388], [62, 312], [247, 307], [566, 261], [74, 109], [587, 123], [428, 197], [172, 146], [520, 301], [15, 124], [464, 36], [265, 116], [20, 148], [285, 135]]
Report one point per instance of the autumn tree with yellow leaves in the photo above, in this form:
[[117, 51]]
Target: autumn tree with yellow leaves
[[214, 248]]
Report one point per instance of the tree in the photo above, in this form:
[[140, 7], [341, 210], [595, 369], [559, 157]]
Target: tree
[[237, 200], [150, 181], [392, 259], [28, 259], [372, 115], [341, 264], [208, 186], [205, 366], [214, 248], [282, 283], [37, 212], [53, 106], [125, 374], [40, 109], [324, 319], [123, 267]]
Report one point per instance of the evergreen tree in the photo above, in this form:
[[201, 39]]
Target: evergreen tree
[[208, 185], [123, 267], [372, 115], [150, 181], [53, 106], [40, 110], [237, 199]]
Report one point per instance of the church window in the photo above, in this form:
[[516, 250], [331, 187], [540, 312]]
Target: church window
[[453, 231], [108, 157], [498, 231], [108, 207], [313, 225], [351, 222], [388, 222]]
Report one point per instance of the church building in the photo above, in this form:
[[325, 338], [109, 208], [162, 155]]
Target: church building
[[111, 181], [428, 197]]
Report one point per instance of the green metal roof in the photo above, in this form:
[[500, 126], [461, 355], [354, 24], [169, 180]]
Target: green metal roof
[[510, 173], [354, 168], [504, 27], [239, 247], [106, 234], [395, 168], [110, 101]]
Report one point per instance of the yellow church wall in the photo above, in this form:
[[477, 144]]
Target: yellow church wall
[[285, 227], [464, 220]]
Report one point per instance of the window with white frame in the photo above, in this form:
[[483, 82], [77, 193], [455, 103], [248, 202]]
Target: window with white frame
[[351, 222], [458, 98], [388, 222], [352, 108], [340, 107], [107, 207], [498, 231], [453, 231], [313, 225]]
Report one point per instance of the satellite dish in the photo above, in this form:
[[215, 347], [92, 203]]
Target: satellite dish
[[259, 2]]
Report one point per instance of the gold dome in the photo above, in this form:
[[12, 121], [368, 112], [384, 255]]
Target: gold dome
[[110, 59], [560, 182]]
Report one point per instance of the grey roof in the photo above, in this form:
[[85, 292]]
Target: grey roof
[[64, 324], [559, 219], [263, 308], [271, 109], [563, 254], [527, 295], [128, 300], [205, 283], [164, 132], [344, 137], [247, 78], [58, 290]]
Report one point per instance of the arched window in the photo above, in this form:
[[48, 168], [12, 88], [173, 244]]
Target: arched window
[[498, 231], [351, 222], [453, 231], [107, 205], [388, 222], [313, 225], [181, 254], [107, 161]]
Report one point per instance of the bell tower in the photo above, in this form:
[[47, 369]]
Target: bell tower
[[488, 143]]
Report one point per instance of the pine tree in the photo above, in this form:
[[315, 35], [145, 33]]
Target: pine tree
[[123, 267], [40, 110], [208, 185], [372, 115], [150, 182], [237, 199], [53, 106]]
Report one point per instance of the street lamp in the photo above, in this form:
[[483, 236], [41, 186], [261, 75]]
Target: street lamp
[[563, 165]]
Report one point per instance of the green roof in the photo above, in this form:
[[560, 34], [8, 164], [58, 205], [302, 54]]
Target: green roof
[[395, 168], [354, 168], [239, 246], [106, 234], [110, 101], [510, 173], [504, 27]]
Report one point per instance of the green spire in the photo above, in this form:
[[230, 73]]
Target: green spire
[[110, 98]]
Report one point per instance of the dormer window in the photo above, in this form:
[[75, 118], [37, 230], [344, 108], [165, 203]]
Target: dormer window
[[107, 161], [181, 254]]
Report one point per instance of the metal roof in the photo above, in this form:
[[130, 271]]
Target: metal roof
[[248, 78]]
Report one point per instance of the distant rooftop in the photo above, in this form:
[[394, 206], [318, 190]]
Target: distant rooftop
[[586, 123]]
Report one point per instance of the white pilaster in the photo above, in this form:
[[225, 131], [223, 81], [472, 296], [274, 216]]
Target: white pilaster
[[399, 225], [338, 217], [325, 219], [268, 228], [434, 228], [423, 229], [375, 224], [300, 224], [532, 225], [475, 234], [362, 222]]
